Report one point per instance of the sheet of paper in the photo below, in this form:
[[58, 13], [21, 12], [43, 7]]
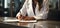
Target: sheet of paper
[[15, 20]]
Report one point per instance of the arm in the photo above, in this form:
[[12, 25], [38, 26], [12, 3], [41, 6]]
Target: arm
[[43, 14], [22, 10]]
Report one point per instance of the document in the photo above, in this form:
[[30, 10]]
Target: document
[[16, 20]]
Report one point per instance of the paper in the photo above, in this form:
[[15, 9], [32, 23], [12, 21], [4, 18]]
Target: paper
[[10, 20]]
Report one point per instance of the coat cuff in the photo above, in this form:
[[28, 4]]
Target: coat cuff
[[37, 18]]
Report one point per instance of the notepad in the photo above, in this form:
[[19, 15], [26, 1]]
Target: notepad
[[15, 20]]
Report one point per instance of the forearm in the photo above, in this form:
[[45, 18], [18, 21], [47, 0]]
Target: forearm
[[41, 16]]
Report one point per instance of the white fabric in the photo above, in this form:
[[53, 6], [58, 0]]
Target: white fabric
[[28, 9]]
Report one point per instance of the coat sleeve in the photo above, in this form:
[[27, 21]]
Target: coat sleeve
[[44, 13], [23, 9]]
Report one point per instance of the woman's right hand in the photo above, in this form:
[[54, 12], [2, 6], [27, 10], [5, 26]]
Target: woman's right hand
[[19, 17]]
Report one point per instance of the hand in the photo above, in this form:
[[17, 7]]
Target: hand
[[25, 18], [29, 18], [19, 17]]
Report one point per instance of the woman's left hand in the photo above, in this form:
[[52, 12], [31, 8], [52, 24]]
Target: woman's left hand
[[29, 18]]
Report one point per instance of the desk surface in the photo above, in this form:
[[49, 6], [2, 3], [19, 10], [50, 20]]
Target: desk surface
[[45, 21]]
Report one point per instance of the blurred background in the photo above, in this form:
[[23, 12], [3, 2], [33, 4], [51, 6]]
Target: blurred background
[[9, 8]]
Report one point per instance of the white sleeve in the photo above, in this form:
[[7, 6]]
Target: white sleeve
[[44, 13], [23, 10]]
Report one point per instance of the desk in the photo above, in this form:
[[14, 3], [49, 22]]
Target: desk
[[44, 23]]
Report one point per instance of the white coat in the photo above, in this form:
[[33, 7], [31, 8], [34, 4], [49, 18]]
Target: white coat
[[28, 9]]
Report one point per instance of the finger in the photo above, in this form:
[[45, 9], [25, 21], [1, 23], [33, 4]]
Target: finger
[[19, 17]]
